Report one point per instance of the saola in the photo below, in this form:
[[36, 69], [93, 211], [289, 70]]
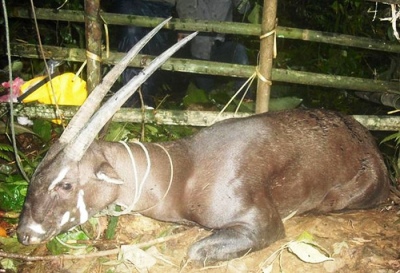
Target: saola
[[239, 177]]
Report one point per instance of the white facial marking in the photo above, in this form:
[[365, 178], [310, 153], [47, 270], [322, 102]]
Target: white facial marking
[[37, 228], [35, 240], [84, 215], [65, 218], [102, 176], [59, 178]]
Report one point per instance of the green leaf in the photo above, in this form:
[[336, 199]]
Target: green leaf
[[8, 264], [195, 95], [5, 169], [305, 237], [117, 132], [111, 228], [56, 248], [395, 136], [16, 67], [153, 130], [12, 195], [19, 129], [42, 128], [6, 147], [284, 103], [11, 245], [5, 157], [255, 15]]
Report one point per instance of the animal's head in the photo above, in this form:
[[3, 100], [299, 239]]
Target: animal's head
[[74, 181], [67, 194]]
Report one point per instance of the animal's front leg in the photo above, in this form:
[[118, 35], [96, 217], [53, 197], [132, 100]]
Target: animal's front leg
[[233, 242], [223, 244]]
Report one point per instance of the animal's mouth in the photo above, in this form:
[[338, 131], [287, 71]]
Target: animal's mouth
[[34, 238]]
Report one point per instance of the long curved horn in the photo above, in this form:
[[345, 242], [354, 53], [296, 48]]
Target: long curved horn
[[79, 145], [91, 104]]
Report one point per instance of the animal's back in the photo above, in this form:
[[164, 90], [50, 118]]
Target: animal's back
[[308, 160]]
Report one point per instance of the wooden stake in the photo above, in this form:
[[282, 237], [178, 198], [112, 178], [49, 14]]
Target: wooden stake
[[93, 33], [267, 44]]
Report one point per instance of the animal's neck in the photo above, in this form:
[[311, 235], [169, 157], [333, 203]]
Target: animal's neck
[[148, 175]]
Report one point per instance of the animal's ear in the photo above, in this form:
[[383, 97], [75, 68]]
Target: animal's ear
[[107, 174]]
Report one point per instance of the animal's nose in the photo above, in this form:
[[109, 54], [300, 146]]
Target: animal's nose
[[23, 238], [28, 236]]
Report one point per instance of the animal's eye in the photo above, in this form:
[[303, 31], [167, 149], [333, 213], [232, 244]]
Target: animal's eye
[[66, 186]]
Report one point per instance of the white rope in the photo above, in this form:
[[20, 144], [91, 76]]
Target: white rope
[[247, 83], [146, 174], [170, 178], [139, 186]]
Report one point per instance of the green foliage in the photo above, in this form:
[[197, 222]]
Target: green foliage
[[43, 129], [62, 243], [18, 129], [393, 161], [395, 137], [12, 192], [5, 150], [119, 131], [151, 132], [255, 16], [216, 99], [111, 227], [13, 186], [337, 16], [195, 95], [8, 264], [346, 17]]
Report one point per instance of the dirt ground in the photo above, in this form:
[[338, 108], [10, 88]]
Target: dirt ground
[[359, 241]]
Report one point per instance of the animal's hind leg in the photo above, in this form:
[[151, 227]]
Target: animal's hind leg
[[363, 191]]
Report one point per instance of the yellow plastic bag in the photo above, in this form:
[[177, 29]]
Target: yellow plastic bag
[[69, 89]]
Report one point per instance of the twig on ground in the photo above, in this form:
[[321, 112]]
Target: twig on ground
[[89, 255]]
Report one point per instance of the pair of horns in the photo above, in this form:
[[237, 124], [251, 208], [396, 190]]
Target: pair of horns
[[87, 123]]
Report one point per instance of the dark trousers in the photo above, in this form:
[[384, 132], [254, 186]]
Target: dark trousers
[[225, 52], [130, 35]]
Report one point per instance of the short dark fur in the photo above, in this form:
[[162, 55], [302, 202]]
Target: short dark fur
[[239, 177]]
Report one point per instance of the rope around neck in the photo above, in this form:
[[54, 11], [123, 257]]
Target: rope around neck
[[171, 165], [139, 187]]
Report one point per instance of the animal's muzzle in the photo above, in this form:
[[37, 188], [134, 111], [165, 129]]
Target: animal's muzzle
[[24, 238], [28, 237], [30, 232]]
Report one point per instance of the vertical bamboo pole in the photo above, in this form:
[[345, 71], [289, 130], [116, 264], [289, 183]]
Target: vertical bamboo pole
[[266, 55], [93, 32]]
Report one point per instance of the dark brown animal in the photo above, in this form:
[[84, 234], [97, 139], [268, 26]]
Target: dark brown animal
[[239, 177]]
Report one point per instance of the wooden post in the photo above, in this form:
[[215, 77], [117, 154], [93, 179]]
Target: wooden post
[[266, 55], [93, 33]]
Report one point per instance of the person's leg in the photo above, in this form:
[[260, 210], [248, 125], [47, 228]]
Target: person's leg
[[204, 82], [231, 52], [130, 35]]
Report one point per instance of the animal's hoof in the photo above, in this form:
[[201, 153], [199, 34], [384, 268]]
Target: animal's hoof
[[202, 254]]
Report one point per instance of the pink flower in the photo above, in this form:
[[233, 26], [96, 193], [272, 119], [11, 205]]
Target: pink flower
[[17, 82]]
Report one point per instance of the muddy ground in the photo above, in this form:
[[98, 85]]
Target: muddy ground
[[360, 241]]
